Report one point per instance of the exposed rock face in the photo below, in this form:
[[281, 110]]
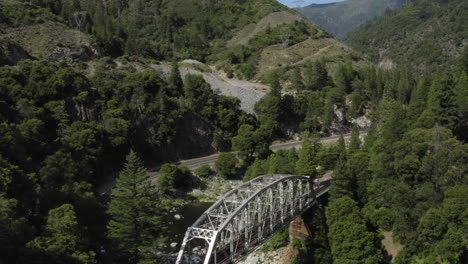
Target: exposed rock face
[[248, 93], [362, 122], [298, 229]]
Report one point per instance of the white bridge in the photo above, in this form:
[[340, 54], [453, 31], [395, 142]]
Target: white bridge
[[247, 215]]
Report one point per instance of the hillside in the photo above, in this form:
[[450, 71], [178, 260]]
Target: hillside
[[97, 92], [30, 31], [424, 33], [340, 18], [246, 39]]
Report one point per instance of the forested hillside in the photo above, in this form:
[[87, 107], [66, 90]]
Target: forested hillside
[[341, 17], [261, 35], [80, 100], [409, 178], [424, 34]]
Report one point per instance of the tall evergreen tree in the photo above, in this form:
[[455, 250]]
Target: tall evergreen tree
[[340, 148], [135, 226], [350, 241], [441, 101], [418, 100], [461, 95], [316, 75], [176, 85], [355, 142], [296, 80], [307, 163]]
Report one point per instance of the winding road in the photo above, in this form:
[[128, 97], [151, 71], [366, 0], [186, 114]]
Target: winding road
[[210, 160]]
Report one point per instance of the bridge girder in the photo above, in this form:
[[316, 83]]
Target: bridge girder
[[248, 214]]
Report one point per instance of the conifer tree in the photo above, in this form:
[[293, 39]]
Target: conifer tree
[[441, 101], [134, 226], [350, 241], [307, 163], [296, 80], [340, 148], [176, 85], [355, 143], [418, 99], [461, 95]]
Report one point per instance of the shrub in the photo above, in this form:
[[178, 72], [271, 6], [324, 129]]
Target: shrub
[[226, 164], [174, 177], [204, 171], [278, 240]]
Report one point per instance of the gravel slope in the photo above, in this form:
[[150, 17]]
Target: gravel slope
[[247, 92]]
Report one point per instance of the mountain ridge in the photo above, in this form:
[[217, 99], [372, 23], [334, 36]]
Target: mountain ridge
[[341, 17], [423, 33]]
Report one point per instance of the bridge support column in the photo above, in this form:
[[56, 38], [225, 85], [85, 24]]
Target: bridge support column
[[298, 229]]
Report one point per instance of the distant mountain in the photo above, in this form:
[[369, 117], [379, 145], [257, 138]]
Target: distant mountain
[[339, 18], [424, 33]]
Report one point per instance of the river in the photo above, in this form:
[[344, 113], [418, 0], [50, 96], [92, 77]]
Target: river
[[189, 214]]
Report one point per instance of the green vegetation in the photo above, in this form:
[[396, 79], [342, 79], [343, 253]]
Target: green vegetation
[[307, 163], [423, 33], [410, 170], [174, 177], [277, 240], [226, 164], [162, 29], [62, 133], [204, 171], [16, 14], [340, 18], [135, 225], [61, 239], [245, 58], [350, 241], [280, 162]]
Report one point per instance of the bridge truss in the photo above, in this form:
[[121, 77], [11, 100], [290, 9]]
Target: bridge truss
[[245, 216]]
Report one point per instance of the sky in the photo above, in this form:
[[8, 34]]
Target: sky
[[291, 3]]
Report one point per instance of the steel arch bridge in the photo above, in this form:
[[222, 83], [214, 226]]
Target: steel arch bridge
[[245, 216]]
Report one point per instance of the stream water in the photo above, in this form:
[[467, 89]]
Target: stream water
[[189, 214]]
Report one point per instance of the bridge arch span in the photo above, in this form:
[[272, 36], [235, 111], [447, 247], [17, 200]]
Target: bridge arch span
[[248, 214]]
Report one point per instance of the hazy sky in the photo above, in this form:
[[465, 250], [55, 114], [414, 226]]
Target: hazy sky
[[291, 3]]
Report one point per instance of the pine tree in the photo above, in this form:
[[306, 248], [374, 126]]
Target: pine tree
[[442, 101], [461, 95], [418, 100], [176, 85], [296, 80], [316, 75], [134, 226], [307, 163], [355, 143], [340, 148]]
